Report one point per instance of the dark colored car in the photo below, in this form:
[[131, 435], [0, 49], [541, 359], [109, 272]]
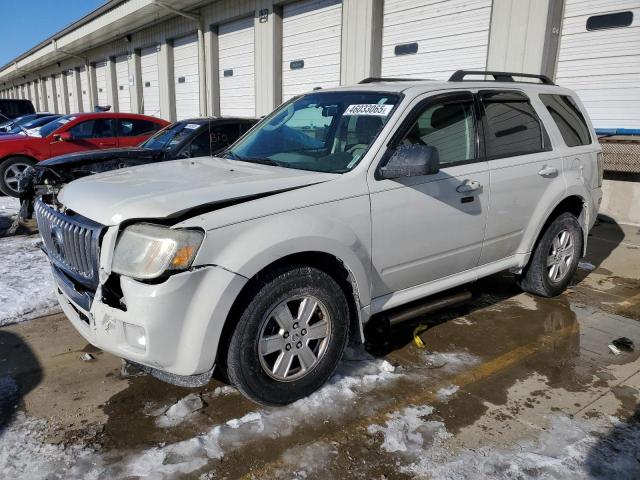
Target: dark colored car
[[14, 107], [79, 132], [184, 139], [25, 123]]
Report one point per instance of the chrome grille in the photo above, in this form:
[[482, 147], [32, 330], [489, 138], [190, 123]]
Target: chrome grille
[[71, 242]]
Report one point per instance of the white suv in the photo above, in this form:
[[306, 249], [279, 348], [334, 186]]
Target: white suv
[[340, 205]]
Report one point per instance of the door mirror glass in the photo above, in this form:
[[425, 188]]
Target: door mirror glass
[[64, 137], [411, 161]]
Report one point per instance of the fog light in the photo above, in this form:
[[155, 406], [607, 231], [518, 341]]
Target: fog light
[[135, 336]]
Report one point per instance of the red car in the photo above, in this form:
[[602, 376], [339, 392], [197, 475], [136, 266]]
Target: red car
[[68, 134]]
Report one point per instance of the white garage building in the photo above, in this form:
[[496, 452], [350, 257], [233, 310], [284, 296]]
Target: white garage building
[[187, 58]]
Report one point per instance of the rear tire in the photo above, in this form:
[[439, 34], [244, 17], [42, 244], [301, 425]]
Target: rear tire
[[555, 258], [290, 336], [10, 169]]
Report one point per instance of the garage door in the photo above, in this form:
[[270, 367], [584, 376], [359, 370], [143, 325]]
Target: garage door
[[72, 93], [60, 94], [432, 39], [150, 81], [85, 94], [311, 44], [52, 99], [237, 73], [33, 88], [122, 84], [186, 77], [600, 59], [101, 83]]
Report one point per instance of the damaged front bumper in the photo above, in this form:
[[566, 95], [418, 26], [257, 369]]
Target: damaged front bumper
[[173, 327]]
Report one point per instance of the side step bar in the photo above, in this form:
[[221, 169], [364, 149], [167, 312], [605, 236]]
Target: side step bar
[[404, 314]]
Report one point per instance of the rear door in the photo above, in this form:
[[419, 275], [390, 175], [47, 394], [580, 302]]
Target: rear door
[[525, 171], [429, 227]]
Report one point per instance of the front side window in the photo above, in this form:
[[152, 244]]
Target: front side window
[[512, 126], [449, 128], [102, 128], [568, 118], [321, 131]]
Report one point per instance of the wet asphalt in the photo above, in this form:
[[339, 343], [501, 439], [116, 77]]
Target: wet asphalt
[[493, 373]]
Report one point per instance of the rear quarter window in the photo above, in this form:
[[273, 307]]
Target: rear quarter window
[[568, 118], [512, 126]]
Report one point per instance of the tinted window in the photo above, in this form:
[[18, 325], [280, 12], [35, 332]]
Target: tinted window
[[513, 127], [136, 128], [568, 118], [449, 128], [15, 108], [610, 20], [222, 136], [201, 145], [102, 128]]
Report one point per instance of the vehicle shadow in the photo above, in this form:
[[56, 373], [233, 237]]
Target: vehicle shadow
[[617, 454], [20, 373]]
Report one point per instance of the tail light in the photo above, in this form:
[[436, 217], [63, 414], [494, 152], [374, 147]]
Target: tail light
[[600, 168]]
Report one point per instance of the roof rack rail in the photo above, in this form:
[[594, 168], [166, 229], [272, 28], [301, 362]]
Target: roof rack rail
[[459, 75], [388, 79]]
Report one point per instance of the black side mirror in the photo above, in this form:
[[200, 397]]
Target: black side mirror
[[411, 161]]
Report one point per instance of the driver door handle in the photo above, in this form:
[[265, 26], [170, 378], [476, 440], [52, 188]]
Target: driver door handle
[[548, 171], [469, 186]]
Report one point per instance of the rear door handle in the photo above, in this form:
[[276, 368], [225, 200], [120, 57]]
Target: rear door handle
[[469, 186], [548, 171]]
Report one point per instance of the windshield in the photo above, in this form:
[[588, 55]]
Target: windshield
[[322, 131], [170, 137], [56, 124]]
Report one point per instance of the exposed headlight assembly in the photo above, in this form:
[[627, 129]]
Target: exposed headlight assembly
[[145, 251]]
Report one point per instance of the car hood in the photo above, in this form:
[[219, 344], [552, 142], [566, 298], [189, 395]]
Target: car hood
[[171, 189], [84, 158]]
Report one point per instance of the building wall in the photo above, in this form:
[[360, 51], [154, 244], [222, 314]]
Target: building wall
[[523, 37]]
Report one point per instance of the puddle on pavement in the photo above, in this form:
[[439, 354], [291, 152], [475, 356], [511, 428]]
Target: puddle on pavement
[[563, 339]]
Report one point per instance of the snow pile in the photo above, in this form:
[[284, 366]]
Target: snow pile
[[9, 207], [567, 449], [24, 455], [357, 375], [26, 286], [586, 266], [180, 411], [445, 392]]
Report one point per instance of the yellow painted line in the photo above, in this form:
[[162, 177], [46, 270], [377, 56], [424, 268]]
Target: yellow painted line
[[464, 379]]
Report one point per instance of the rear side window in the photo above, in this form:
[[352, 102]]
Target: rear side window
[[568, 118], [136, 128], [512, 126]]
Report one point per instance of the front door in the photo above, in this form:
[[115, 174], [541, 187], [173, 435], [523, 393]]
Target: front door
[[87, 135], [430, 227]]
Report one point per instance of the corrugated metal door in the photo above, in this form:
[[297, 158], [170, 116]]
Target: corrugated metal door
[[603, 65], [311, 46], [186, 77], [85, 94], [101, 83], [52, 98], [122, 84], [432, 39], [63, 105], [150, 81], [237, 72], [34, 95], [74, 105]]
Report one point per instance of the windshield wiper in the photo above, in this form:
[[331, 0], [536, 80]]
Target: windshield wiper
[[262, 161]]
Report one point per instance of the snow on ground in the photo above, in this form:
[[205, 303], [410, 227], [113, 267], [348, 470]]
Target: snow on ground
[[9, 206], [26, 286], [568, 449], [180, 411]]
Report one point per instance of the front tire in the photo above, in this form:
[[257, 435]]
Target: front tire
[[10, 169], [290, 336], [555, 258]]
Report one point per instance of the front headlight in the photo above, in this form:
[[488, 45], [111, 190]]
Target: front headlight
[[146, 251]]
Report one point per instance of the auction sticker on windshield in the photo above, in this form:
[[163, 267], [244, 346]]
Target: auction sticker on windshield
[[369, 109]]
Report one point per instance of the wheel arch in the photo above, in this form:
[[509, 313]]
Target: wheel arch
[[326, 262], [575, 204]]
